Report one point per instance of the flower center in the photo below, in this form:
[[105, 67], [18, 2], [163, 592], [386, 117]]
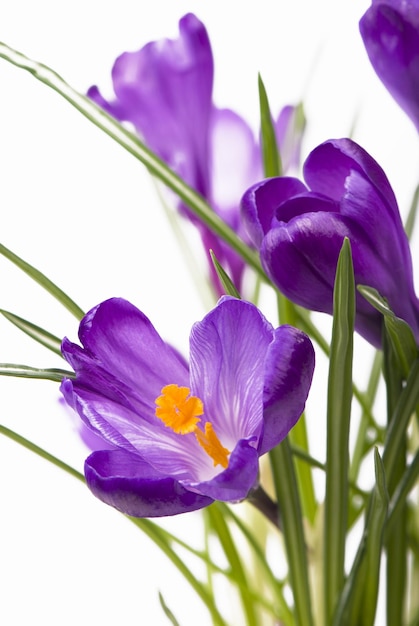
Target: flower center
[[180, 411]]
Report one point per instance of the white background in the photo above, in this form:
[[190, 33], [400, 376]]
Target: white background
[[83, 211]]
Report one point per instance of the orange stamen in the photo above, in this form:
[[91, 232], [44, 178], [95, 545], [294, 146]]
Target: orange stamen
[[180, 411], [212, 445]]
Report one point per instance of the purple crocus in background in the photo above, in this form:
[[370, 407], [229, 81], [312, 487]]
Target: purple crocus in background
[[178, 437], [300, 229], [390, 31], [165, 90]]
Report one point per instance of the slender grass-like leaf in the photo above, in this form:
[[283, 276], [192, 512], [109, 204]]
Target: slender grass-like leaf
[[364, 443], [169, 614], [286, 488], [402, 491], [158, 535], [225, 279], [283, 612], [413, 210], [399, 332], [220, 528], [32, 447], [407, 402], [131, 142], [36, 332], [271, 158], [396, 541], [339, 400], [26, 371], [358, 601], [42, 280]]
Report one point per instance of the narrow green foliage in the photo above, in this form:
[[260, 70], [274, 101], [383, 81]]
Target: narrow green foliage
[[39, 334], [222, 531], [411, 218], [25, 371], [42, 280], [225, 279], [403, 489], [270, 155], [399, 332], [170, 616], [358, 600], [339, 400], [32, 447], [407, 402]]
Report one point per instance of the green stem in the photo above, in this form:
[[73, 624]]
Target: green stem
[[220, 528], [132, 144], [286, 488]]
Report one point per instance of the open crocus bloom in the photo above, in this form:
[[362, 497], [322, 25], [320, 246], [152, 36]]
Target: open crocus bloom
[[390, 31], [178, 437], [300, 229], [165, 91]]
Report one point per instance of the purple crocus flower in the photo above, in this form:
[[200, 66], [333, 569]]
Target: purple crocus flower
[[390, 31], [178, 437], [300, 229], [165, 91]]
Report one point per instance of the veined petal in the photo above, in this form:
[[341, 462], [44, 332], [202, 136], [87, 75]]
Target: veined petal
[[289, 368], [126, 482], [227, 351]]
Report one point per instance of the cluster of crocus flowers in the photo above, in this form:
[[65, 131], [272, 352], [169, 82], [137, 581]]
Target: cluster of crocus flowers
[[390, 31], [165, 91], [176, 437], [300, 227]]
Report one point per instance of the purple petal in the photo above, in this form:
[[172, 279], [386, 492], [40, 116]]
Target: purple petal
[[171, 81], [128, 483], [289, 128], [235, 482], [227, 354], [235, 162], [390, 31], [301, 258], [120, 339], [328, 166], [141, 432], [289, 371], [259, 204]]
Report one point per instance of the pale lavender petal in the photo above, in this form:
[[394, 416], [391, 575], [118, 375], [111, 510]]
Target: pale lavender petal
[[235, 162], [226, 363], [289, 129]]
